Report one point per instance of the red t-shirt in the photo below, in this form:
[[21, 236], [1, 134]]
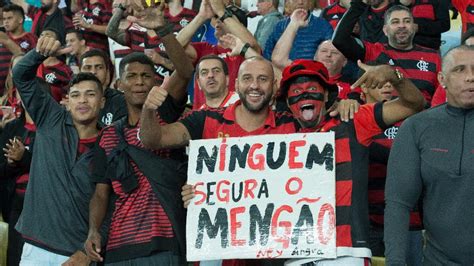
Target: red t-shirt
[[233, 64]]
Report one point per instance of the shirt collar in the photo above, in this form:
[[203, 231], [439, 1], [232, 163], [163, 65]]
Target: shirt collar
[[229, 114]]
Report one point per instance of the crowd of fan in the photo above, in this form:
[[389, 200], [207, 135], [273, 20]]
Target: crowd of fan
[[157, 63]]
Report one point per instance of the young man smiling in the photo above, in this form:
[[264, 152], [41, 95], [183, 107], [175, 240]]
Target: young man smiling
[[54, 218]]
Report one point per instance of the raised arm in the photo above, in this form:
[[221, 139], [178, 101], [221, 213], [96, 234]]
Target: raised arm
[[152, 134], [39, 104], [409, 101], [281, 52], [234, 26], [153, 19], [186, 34], [351, 47], [113, 31]]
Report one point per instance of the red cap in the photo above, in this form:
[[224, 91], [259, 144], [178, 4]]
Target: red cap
[[306, 67]]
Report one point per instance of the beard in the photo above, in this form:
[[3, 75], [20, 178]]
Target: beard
[[255, 108], [46, 7]]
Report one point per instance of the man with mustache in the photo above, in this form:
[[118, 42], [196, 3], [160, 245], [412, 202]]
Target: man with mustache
[[419, 64], [212, 76]]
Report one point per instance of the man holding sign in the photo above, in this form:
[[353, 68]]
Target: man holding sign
[[302, 85]]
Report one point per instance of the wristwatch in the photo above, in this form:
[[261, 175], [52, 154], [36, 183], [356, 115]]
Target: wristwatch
[[227, 14]]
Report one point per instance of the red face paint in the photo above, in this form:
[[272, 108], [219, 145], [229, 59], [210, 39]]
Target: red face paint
[[306, 101]]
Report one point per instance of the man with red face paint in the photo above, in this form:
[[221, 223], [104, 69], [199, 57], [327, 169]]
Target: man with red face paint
[[308, 91]]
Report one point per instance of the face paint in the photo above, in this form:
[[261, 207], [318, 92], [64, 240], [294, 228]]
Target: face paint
[[306, 102]]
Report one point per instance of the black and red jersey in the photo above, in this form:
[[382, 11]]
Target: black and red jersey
[[139, 40], [419, 64], [58, 76], [26, 42], [96, 14], [379, 152], [466, 9], [221, 123], [180, 20], [333, 13], [138, 217], [352, 159], [140, 225]]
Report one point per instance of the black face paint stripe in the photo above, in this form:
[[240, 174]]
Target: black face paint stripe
[[317, 96]]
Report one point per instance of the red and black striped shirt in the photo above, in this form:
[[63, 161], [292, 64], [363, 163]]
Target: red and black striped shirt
[[379, 152], [139, 40], [26, 42], [352, 161], [96, 14], [221, 122], [333, 13], [419, 64], [58, 76], [138, 217], [140, 225], [180, 20]]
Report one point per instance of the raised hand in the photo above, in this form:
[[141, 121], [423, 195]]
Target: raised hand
[[233, 43], [150, 17], [218, 7], [299, 17], [156, 96], [79, 22], [205, 10], [48, 46], [375, 77]]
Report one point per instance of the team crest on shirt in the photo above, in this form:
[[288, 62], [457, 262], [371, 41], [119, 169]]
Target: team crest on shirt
[[162, 47], [96, 11], [24, 45], [50, 78], [107, 119], [422, 65], [184, 22], [391, 132]]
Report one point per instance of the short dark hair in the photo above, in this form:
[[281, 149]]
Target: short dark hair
[[78, 34], [135, 57], [394, 8], [79, 77], [99, 53], [466, 35], [15, 9], [213, 57]]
